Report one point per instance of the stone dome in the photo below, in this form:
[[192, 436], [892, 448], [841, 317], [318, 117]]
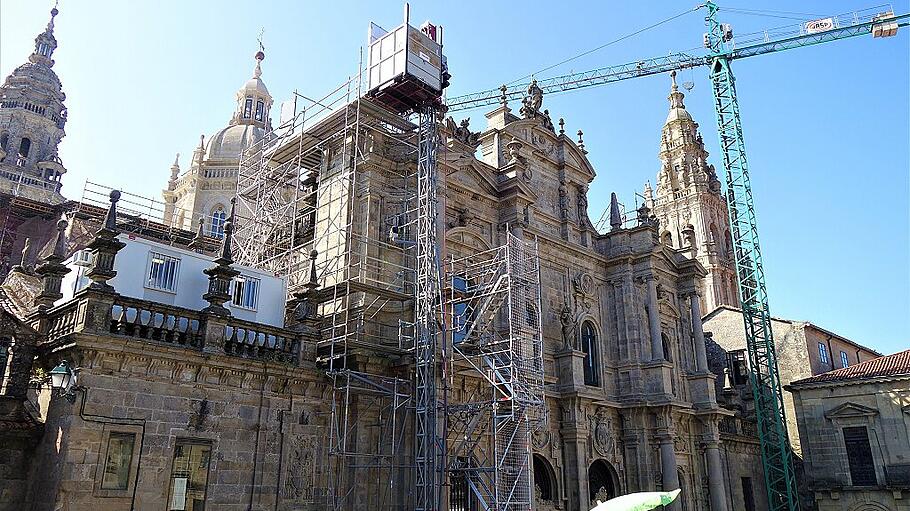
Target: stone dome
[[677, 114], [230, 142]]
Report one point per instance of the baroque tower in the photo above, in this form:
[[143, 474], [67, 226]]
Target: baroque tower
[[32, 116], [690, 206], [203, 193]]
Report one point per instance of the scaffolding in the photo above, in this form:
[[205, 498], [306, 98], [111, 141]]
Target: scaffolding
[[310, 186], [493, 300], [353, 185]]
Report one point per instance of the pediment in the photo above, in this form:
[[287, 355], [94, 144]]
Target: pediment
[[850, 411], [472, 175], [467, 237], [575, 157]]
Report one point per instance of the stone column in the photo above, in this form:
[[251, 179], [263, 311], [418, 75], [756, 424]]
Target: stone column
[[715, 476], [669, 476], [701, 360], [657, 345]]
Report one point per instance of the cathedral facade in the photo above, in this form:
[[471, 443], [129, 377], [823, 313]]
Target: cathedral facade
[[191, 409]]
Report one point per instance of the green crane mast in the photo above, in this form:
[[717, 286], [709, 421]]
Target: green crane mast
[[777, 462], [780, 479]]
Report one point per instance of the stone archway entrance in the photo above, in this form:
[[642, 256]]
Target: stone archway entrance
[[603, 482], [546, 493]]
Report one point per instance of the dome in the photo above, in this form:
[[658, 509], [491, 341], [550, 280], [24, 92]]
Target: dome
[[255, 84], [230, 142], [677, 114]]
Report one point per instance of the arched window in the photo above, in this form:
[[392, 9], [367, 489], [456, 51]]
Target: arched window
[[4, 140], [667, 238], [248, 108], [25, 145], [728, 243], [260, 110], [665, 341], [589, 348], [715, 238], [217, 223]]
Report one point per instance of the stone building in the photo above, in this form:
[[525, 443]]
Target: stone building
[[174, 406], [204, 191], [690, 205], [32, 117], [803, 350], [854, 424]]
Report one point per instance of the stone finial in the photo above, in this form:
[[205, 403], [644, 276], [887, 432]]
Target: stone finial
[[562, 126], [23, 266], [581, 142], [644, 214], [198, 242], [104, 248], [615, 216], [503, 96], [52, 270], [222, 273], [313, 283], [175, 172]]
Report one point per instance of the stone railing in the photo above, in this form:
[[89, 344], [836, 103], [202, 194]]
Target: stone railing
[[65, 321], [157, 322], [254, 340], [101, 313]]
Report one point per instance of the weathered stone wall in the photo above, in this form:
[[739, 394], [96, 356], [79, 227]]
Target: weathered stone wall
[[881, 406], [263, 422]]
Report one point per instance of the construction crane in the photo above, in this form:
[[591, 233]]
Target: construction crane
[[780, 480]]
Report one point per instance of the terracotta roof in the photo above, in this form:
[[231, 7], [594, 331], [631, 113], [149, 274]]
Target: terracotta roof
[[897, 364]]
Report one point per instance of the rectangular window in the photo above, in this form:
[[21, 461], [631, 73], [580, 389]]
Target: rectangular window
[[739, 371], [859, 456], [823, 353], [189, 476], [248, 108], [748, 498], [246, 292], [843, 359], [163, 270], [463, 313], [260, 109], [118, 461]]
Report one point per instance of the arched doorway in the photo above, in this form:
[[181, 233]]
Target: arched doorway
[[545, 487], [603, 483]]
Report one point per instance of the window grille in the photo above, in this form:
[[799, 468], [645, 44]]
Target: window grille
[[823, 353], [843, 359], [162, 273], [246, 292], [248, 108]]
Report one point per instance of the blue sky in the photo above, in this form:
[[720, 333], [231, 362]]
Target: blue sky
[[826, 127]]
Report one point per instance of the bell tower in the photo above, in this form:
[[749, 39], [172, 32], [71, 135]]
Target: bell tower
[[32, 116], [690, 206]]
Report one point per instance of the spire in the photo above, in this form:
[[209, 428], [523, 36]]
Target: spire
[[199, 153], [175, 172], [615, 216], [45, 43], [675, 97]]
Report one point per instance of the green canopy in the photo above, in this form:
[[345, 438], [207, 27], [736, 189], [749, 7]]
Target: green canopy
[[638, 501]]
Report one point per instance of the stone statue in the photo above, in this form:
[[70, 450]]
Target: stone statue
[[462, 132], [532, 101], [568, 327], [563, 201]]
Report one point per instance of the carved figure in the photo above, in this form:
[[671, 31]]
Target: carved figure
[[532, 101]]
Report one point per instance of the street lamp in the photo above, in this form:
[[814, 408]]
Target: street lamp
[[63, 380]]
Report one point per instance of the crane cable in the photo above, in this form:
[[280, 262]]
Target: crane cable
[[627, 36]]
